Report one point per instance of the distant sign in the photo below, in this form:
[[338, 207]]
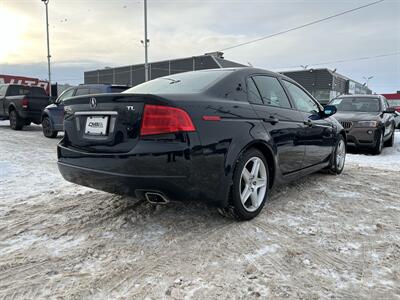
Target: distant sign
[[11, 79]]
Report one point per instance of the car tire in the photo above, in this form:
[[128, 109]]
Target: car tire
[[16, 122], [379, 144], [250, 186], [390, 141], [339, 157], [47, 128]]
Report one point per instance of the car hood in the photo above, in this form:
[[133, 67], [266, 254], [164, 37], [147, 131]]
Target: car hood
[[357, 116]]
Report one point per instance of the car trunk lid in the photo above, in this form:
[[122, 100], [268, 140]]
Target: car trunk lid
[[104, 123]]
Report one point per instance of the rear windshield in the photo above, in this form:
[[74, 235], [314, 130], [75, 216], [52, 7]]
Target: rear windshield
[[361, 104], [189, 82], [17, 90], [117, 89]]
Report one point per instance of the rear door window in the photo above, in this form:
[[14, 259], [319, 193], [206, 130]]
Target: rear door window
[[66, 94], [252, 92], [271, 91]]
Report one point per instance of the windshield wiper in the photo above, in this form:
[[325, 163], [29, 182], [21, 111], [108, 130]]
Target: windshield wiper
[[172, 80]]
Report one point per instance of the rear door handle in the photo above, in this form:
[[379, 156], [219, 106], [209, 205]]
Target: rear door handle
[[273, 120], [309, 123]]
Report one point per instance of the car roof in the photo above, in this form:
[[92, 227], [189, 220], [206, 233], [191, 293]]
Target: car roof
[[244, 71]]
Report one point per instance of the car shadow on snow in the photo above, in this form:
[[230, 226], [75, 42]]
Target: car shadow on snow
[[6, 126]]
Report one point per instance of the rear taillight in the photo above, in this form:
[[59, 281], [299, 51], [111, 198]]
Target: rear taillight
[[159, 119], [25, 103]]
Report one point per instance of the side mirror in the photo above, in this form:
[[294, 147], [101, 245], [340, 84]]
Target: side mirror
[[329, 110], [390, 110]]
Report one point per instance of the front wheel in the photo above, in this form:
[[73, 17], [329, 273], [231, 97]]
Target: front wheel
[[16, 122], [339, 157], [47, 128], [250, 186], [379, 144]]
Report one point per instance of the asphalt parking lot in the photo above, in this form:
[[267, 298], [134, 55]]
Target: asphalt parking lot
[[321, 237]]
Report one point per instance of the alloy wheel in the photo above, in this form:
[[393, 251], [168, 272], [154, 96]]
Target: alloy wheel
[[340, 155], [253, 184]]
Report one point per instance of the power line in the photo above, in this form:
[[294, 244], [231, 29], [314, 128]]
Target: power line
[[347, 60], [302, 26]]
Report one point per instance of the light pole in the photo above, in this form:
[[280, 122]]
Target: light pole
[[146, 65], [46, 2], [367, 79]]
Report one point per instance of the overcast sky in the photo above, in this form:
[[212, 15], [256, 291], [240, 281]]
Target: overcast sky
[[92, 34]]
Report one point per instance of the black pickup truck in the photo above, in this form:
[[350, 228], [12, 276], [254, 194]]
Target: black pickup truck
[[22, 104]]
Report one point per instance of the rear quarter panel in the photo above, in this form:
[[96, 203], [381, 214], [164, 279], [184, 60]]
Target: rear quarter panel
[[222, 141]]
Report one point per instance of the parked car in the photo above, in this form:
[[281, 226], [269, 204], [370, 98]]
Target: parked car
[[53, 115], [394, 101], [367, 119], [225, 136], [397, 119], [22, 104]]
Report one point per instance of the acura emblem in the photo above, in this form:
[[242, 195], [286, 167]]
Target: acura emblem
[[93, 103]]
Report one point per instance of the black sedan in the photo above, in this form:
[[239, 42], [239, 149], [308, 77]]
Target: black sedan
[[224, 136]]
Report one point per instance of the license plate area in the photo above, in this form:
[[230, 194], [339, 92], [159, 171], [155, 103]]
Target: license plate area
[[96, 125]]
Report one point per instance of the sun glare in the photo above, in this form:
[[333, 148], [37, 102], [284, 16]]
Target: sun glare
[[13, 27]]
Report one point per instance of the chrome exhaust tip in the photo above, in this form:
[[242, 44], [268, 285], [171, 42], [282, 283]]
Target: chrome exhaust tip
[[156, 198]]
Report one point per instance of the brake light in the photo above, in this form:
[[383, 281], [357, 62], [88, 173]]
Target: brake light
[[159, 119], [25, 103]]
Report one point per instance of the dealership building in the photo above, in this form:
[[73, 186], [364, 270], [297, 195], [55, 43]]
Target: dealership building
[[134, 74], [325, 84]]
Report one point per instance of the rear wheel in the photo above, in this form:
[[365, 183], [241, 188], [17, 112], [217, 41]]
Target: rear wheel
[[16, 122], [339, 157], [250, 186], [379, 144], [48, 129]]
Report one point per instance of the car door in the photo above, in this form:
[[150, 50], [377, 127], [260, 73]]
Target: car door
[[280, 120], [58, 114], [3, 90], [318, 136], [387, 119]]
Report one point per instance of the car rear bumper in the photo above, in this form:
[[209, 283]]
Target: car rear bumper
[[176, 175], [170, 186], [35, 117]]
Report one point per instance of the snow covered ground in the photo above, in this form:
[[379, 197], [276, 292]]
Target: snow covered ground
[[321, 237], [389, 159]]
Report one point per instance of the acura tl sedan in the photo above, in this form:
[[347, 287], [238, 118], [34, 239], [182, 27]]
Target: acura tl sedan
[[224, 136], [368, 120]]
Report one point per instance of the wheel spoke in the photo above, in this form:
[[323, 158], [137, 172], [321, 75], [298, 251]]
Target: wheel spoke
[[245, 194], [254, 199], [255, 168], [246, 175], [260, 182]]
